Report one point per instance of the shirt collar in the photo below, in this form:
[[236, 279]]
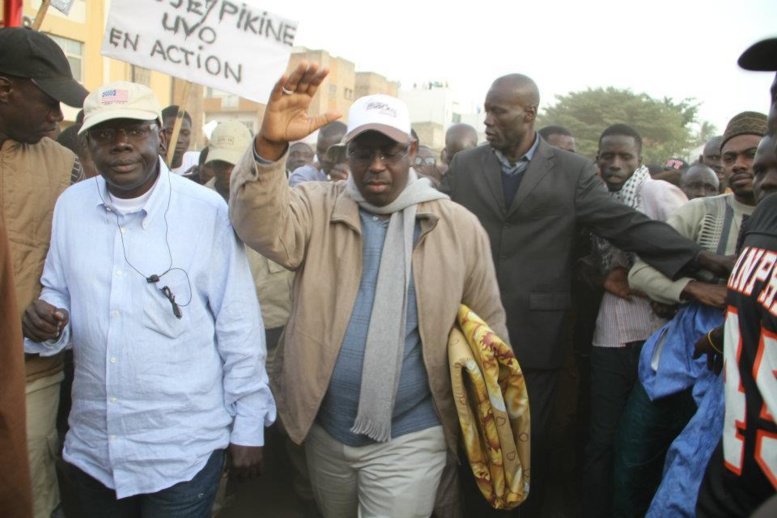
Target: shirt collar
[[527, 157], [157, 202]]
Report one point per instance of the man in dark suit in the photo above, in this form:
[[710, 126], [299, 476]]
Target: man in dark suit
[[530, 197]]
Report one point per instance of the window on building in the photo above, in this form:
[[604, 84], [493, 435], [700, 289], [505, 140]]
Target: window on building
[[74, 52], [230, 102], [332, 90], [140, 75], [213, 92], [348, 93]]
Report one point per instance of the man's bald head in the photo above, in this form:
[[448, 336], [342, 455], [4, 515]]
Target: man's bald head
[[459, 137], [511, 110], [712, 147], [699, 181], [521, 86]]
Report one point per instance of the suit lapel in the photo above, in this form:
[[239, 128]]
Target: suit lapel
[[538, 167], [492, 171]]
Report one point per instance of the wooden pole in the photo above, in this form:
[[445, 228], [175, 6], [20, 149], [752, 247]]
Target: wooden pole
[[178, 123], [44, 7]]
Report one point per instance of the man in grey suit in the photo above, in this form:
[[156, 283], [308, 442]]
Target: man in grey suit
[[530, 197]]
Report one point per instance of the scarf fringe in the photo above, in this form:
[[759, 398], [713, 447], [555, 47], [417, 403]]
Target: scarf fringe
[[610, 256], [375, 431]]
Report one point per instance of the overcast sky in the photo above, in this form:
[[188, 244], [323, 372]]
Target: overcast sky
[[674, 48]]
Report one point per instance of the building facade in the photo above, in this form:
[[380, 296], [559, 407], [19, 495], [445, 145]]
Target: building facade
[[80, 34]]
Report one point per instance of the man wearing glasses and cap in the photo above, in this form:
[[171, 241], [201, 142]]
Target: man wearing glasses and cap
[[34, 78], [147, 281], [383, 261]]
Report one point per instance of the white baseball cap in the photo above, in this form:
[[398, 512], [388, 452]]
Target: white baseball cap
[[228, 142], [120, 100], [382, 113]]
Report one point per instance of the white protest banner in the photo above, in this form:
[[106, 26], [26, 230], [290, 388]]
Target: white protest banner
[[231, 45], [63, 6]]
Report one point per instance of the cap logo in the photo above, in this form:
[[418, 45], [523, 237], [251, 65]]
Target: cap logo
[[225, 140], [114, 96], [383, 108]]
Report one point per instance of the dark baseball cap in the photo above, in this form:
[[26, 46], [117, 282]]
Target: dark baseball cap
[[760, 56], [32, 55]]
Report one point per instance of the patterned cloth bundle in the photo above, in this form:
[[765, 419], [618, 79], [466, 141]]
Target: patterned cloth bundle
[[493, 407]]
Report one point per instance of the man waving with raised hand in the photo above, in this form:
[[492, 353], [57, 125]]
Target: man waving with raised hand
[[383, 261]]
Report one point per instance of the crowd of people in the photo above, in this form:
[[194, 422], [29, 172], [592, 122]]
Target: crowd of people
[[193, 319]]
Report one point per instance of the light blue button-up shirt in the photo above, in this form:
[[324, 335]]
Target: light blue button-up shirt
[[155, 395]]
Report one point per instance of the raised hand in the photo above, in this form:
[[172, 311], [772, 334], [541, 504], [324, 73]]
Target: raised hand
[[286, 117]]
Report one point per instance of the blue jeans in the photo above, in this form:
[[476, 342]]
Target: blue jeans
[[192, 499]]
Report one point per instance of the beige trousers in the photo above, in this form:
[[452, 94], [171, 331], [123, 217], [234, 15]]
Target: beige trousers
[[42, 398], [394, 479]]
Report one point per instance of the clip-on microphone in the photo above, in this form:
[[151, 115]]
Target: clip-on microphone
[[169, 294]]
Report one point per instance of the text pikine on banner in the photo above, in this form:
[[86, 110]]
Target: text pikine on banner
[[234, 46]]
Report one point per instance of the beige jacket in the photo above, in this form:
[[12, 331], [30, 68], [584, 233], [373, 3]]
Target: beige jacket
[[32, 176], [315, 230], [273, 288]]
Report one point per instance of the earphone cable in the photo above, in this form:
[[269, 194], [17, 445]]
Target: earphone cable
[[170, 266]]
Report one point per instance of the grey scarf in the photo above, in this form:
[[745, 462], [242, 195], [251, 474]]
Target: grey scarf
[[386, 334], [629, 194]]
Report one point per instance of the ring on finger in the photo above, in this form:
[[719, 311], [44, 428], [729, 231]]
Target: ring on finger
[[286, 91]]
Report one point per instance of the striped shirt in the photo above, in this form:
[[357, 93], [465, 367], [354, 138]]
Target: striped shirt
[[622, 321]]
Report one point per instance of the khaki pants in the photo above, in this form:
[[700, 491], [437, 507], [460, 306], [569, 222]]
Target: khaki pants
[[42, 441], [397, 478]]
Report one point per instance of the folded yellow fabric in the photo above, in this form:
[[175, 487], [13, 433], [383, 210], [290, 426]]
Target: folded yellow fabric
[[493, 408]]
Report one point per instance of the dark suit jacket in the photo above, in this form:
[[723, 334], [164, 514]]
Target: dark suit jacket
[[532, 240]]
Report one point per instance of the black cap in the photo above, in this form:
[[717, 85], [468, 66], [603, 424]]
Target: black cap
[[761, 56], [33, 55]]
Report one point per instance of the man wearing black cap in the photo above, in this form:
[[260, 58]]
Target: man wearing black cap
[[742, 473], [34, 78]]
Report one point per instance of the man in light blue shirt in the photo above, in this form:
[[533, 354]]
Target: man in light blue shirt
[[148, 283]]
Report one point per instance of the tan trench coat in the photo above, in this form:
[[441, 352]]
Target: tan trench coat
[[315, 230]]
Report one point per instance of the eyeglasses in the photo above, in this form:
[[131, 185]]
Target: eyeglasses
[[133, 134], [365, 157], [429, 160]]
